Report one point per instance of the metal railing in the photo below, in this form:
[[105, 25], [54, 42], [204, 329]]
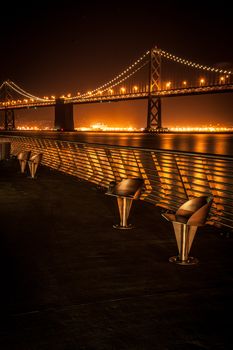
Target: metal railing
[[171, 177]]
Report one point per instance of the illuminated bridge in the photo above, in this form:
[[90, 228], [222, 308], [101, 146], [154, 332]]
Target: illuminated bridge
[[155, 75]]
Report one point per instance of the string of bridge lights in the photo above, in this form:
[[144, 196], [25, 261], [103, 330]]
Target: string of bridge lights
[[108, 86], [124, 75], [2, 85], [20, 91], [192, 64], [165, 54]]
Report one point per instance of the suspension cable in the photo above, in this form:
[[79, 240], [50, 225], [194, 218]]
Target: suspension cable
[[174, 58]]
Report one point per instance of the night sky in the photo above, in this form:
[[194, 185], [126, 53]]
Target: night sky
[[59, 48]]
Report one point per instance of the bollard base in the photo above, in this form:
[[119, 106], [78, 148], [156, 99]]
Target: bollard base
[[119, 227], [189, 261]]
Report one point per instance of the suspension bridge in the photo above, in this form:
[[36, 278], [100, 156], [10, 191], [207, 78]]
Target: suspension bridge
[[155, 75]]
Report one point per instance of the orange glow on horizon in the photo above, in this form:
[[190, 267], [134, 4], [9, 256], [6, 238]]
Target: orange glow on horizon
[[102, 127]]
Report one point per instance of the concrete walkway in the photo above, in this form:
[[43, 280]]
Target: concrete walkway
[[70, 281]]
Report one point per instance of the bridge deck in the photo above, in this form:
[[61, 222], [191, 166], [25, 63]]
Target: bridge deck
[[128, 96], [70, 281]]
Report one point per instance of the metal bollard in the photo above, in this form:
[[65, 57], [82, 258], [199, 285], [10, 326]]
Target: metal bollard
[[126, 191], [186, 220], [23, 158], [33, 164]]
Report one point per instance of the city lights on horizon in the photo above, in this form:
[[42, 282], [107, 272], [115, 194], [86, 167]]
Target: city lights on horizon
[[105, 128], [200, 129]]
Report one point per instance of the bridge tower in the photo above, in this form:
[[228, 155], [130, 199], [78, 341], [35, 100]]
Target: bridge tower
[[64, 119], [9, 121], [154, 121], [6, 96]]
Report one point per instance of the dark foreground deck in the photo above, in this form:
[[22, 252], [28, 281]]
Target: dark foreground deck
[[70, 281]]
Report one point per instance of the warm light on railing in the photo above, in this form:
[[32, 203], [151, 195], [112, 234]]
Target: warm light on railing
[[170, 178]]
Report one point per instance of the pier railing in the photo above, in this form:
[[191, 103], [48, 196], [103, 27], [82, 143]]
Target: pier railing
[[171, 177]]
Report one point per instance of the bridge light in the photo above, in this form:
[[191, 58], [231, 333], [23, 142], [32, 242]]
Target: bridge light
[[168, 85], [135, 88], [202, 82], [110, 91], [69, 95], [53, 97], [89, 92], [122, 90], [100, 92], [184, 83], [222, 80]]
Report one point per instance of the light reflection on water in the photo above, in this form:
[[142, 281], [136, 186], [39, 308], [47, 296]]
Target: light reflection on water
[[204, 143], [221, 144]]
